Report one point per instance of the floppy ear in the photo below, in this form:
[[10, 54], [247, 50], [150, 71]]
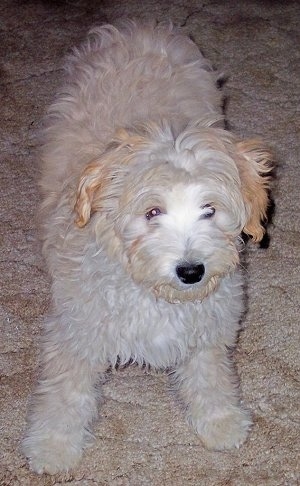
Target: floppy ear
[[92, 180], [254, 162], [98, 180]]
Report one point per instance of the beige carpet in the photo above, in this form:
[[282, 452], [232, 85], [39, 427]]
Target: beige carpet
[[141, 438]]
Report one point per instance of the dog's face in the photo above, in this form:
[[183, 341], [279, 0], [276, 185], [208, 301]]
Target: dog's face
[[174, 209]]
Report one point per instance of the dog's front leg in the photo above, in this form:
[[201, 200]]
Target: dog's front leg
[[64, 403], [209, 388]]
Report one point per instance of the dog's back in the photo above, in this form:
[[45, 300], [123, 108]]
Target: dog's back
[[120, 77]]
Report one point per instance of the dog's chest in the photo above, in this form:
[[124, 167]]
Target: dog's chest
[[136, 326], [127, 322]]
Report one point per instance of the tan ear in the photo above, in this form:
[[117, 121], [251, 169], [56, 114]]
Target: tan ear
[[254, 162], [99, 174], [91, 180]]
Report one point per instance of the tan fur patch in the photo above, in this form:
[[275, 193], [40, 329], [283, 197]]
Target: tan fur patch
[[254, 162]]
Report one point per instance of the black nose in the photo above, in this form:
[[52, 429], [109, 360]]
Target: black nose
[[190, 273]]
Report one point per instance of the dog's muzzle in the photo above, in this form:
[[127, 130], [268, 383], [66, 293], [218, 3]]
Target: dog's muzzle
[[190, 273]]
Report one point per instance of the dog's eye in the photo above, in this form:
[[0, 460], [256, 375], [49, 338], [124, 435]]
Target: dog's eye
[[209, 211], [152, 213]]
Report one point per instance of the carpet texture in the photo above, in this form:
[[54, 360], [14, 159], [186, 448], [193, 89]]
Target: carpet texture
[[141, 437]]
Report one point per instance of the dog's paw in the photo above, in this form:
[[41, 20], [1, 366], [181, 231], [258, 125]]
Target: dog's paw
[[225, 429], [52, 454]]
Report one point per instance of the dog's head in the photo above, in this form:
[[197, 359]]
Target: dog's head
[[172, 209]]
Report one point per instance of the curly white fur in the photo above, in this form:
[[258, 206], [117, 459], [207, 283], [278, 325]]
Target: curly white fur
[[136, 153]]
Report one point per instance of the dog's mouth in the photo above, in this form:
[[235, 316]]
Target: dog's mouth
[[189, 292], [187, 281]]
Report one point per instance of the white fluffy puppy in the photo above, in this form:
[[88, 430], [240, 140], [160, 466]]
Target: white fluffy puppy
[[145, 196]]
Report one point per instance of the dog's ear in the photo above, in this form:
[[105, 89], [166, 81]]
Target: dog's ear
[[99, 178], [255, 163], [92, 181]]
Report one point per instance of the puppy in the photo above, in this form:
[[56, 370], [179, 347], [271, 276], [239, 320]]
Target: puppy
[[145, 196]]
